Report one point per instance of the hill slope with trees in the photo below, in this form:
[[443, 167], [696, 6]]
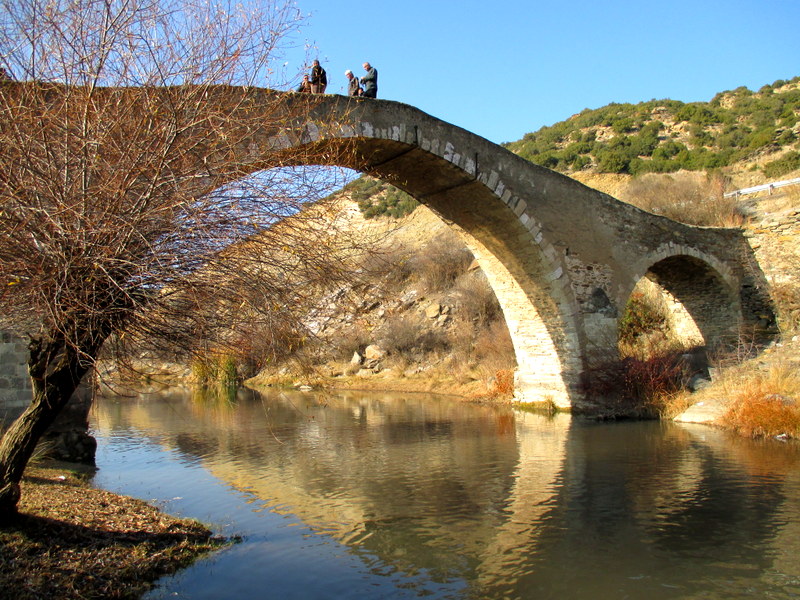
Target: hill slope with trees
[[662, 136]]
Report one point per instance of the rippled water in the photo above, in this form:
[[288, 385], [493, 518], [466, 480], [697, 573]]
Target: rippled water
[[392, 496]]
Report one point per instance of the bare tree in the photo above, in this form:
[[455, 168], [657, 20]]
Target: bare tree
[[120, 146]]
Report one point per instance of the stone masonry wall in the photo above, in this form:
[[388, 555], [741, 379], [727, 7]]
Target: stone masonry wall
[[15, 384]]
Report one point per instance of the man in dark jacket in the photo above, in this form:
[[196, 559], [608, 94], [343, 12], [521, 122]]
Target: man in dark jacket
[[319, 78], [370, 81]]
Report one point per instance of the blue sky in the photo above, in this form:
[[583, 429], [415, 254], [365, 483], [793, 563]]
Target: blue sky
[[503, 68]]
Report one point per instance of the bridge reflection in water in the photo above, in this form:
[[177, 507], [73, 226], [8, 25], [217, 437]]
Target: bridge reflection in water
[[355, 495]]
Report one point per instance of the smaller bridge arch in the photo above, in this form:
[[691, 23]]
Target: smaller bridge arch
[[700, 292], [704, 308]]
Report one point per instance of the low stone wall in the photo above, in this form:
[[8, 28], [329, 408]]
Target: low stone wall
[[15, 384], [68, 438]]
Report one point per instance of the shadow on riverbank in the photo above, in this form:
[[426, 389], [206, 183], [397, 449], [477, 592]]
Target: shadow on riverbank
[[73, 541]]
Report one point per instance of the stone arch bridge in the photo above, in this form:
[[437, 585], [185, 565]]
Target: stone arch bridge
[[562, 258]]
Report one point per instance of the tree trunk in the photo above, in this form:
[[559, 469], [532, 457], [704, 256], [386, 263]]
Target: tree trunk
[[56, 368]]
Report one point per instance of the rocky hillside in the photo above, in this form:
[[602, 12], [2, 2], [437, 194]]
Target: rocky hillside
[[421, 317]]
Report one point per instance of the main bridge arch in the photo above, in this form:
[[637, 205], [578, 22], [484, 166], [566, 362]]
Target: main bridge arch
[[561, 257]]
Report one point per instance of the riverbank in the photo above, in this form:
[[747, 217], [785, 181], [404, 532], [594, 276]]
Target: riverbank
[[390, 380], [770, 375], [75, 541]]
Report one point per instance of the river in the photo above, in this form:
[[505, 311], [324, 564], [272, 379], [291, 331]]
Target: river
[[353, 495]]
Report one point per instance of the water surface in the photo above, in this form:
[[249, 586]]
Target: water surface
[[404, 496]]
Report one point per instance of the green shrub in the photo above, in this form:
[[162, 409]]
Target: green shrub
[[623, 125], [787, 163], [612, 161], [761, 138], [786, 138], [580, 162], [642, 316], [376, 198]]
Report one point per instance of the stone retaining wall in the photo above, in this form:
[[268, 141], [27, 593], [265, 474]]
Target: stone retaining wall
[[15, 384]]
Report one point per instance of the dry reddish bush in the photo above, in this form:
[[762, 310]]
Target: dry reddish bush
[[655, 382], [644, 387], [766, 405], [503, 384], [764, 416]]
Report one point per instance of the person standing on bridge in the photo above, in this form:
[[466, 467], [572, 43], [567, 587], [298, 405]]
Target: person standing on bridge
[[319, 78], [370, 81], [353, 87]]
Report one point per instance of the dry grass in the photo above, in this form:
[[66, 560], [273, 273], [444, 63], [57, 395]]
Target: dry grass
[[786, 296], [475, 298], [791, 194], [765, 404], [439, 263], [73, 541], [401, 333], [685, 197], [350, 340]]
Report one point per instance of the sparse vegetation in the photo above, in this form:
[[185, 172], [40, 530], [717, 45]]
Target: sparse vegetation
[[216, 369], [426, 309], [787, 302]]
